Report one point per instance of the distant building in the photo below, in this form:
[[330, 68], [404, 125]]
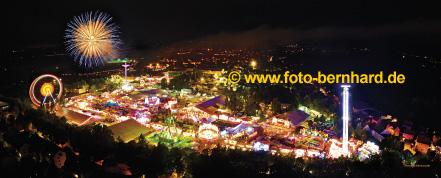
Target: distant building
[[291, 119], [74, 117], [367, 128], [377, 136], [409, 146], [211, 106], [422, 143], [393, 129], [285, 106], [388, 117], [376, 131], [79, 90], [376, 120], [408, 134], [185, 91], [408, 124], [386, 132]]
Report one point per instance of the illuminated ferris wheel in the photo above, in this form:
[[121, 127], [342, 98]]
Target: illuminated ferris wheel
[[45, 89]]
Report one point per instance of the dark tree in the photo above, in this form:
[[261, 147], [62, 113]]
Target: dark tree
[[276, 106]]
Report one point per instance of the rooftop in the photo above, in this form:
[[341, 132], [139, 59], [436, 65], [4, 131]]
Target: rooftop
[[409, 132], [73, 116], [148, 93], [295, 117], [423, 139], [408, 123], [128, 130], [212, 105]]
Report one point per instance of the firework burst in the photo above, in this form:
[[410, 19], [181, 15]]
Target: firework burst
[[92, 39]]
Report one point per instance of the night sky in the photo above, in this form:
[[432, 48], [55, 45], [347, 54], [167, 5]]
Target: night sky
[[388, 29], [382, 24]]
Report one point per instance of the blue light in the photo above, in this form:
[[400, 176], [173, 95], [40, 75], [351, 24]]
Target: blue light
[[260, 147]]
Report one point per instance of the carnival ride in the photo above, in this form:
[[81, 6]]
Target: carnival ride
[[45, 89], [166, 134], [169, 135], [208, 132]]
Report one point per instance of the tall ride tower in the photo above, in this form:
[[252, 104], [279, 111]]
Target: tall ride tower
[[125, 65], [126, 86], [345, 118]]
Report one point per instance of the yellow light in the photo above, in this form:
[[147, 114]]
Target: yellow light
[[87, 43], [47, 89], [253, 63]]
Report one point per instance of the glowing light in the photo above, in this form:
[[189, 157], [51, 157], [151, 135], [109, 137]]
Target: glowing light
[[152, 101], [313, 153], [368, 149], [208, 131], [300, 152], [127, 87], [250, 129], [125, 65], [82, 104], [334, 150], [169, 104], [143, 120], [345, 118], [253, 64], [260, 146], [92, 39], [47, 88], [123, 118], [223, 117]]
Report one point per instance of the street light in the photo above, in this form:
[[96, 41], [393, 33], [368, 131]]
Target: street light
[[253, 64]]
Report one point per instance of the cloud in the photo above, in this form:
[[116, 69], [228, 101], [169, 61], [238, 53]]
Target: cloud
[[263, 36]]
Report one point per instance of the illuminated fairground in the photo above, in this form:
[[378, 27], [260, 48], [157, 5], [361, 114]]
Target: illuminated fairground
[[196, 120], [220, 89]]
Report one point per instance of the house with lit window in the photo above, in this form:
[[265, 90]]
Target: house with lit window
[[410, 146], [291, 119], [408, 134], [376, 120], [376, 131], [422, 143], [393, 129]]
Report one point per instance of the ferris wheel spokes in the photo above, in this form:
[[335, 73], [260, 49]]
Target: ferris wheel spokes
[[48, 92]]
